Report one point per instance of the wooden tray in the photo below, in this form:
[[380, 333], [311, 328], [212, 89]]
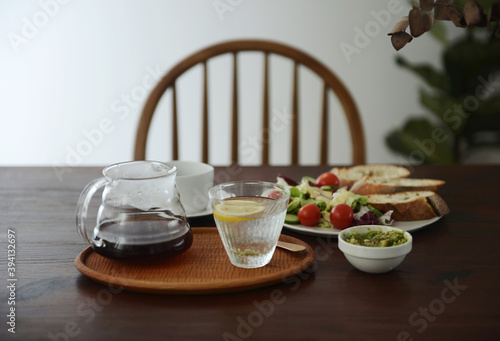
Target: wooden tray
[[203, 269]]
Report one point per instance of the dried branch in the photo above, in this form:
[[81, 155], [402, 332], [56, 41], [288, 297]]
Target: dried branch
[[421, 19], [400, 39], [401, 25], [426, 5], [474, 14]]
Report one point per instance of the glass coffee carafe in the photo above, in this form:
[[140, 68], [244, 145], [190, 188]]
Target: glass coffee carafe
[[140, 216]]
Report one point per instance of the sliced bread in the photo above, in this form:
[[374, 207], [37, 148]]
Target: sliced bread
[[412, 205], [374, 185], [349, 175]]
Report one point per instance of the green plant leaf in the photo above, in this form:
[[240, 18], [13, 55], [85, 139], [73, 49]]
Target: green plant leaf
[[464, 98], [422, 142], [490, 105], [467, 61], [433, 77], [483, 124], [447, 109]]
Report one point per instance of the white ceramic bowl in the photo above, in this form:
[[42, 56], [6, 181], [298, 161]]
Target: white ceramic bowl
[[193, 181], [374, 259]]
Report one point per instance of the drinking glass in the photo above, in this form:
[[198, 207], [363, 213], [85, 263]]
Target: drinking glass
[[249, 216]]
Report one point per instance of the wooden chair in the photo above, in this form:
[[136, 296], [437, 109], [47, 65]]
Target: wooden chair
[[330, 81]]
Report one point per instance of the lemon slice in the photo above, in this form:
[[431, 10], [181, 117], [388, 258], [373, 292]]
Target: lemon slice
[[237, 210]]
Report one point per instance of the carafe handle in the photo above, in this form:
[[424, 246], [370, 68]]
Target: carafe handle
[[83, 206]]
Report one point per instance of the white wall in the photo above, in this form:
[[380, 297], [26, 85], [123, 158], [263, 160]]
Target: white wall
[[66, 65]]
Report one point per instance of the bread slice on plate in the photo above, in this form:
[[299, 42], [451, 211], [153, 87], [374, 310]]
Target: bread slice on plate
[[373, 185], [411, 205], [349, 175]]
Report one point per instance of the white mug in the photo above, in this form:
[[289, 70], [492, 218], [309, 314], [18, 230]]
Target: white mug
[[194, 180]]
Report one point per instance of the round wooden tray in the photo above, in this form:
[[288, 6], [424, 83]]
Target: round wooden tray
[[203, 269]]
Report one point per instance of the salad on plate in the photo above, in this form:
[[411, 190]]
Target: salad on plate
[[321, 202]]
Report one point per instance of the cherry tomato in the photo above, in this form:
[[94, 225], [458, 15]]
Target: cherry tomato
[[341, 216], [309, 215], [275, 194], [327, 179]]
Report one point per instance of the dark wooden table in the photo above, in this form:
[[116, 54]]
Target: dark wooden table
[[448, 287]]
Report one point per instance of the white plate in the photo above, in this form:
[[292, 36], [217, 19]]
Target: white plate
[[206, 212], [408, 226]]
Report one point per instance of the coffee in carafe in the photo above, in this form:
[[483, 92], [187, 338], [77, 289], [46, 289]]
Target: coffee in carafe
[[143, 239], [140, 217]]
